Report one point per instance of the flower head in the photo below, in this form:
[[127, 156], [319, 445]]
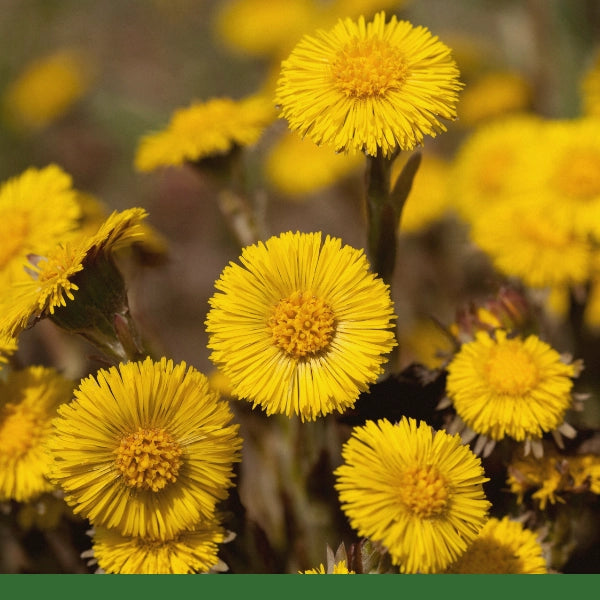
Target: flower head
[[38, 208], [29, 399], [146, 448], [47, 89], [193, 551], [514, 387], [301, 326], [503, 547], [205, 129], [81, 271], [339, 568], [416, 491], [369, 87]]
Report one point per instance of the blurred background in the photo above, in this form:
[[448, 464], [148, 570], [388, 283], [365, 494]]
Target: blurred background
[[110, 72]]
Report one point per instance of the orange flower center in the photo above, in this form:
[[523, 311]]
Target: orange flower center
[[149, 459], [368, 68], [302, 325], [423, 491], [510, 369]]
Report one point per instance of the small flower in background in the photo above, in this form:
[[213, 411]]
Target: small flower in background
[[428, 200], [194, 551], [29, 399], [505, 386], [8, 346], [301, 327], [590, 89], [503, 547], [296, 167], [146, 449], [553, 477], [371, 87], [338, 569], [416, 491], [494, 94], [264, 28], [47, 89], [205, 129], [38, 209]]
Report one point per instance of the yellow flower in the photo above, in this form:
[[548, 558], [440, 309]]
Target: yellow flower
[[146, 448], [301, 326], [481, 174], [205, 129], [264, 27], [8, 346], [47, 89], [416, 491], [28, 402], [493, 95], [339, 568], [428, 199], [38, 208], [193, 551], [296, 167], [79, 268], [372, 87], [534, 242], [503, 547], [513, 387]]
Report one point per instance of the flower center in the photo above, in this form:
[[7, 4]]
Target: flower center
[[510, 369], [149, 459], [13, 232], [544, 232], [302, 325], [423, 491], [19, 430], [492, 173], [489, 557], [579, 175], [367, 68]]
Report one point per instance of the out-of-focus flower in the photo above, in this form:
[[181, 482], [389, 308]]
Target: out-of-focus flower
[[29, 399], [301, 327], [503, 547], [297, 167], [146, 448], [38, 209], [416, 491], [493, 95], [371, 87], [511, 387], [205, 129], [47, 89], [8, 346], [590, 89]]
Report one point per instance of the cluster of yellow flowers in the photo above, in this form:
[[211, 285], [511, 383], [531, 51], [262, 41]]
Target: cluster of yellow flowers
[[303, 325]]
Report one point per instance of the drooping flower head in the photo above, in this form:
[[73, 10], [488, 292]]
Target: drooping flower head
[[416, 491], [38, 208], [146, 449], [187, 552], [205, 129], [77, 284], [369, 87], [29, 399], [508, 386], [503, 547], [301, 327]]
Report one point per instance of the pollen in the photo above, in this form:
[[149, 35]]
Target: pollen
[[302, 325], [510, 369], [368, 68], [149, 459], [423, 491]]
